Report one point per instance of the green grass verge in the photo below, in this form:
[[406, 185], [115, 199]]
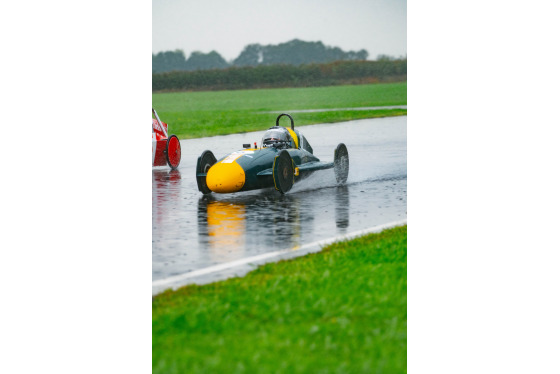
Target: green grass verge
[[342, 310], [200, 114]]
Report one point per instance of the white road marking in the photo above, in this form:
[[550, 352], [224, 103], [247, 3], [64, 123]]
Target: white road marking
[[340, 109], [248, 260]]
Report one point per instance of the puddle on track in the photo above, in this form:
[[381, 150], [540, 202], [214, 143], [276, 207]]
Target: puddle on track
[[191, 231]]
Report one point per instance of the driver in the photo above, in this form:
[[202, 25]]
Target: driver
[[277, 137]]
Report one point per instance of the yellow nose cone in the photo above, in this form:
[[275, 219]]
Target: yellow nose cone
[[225, 177]]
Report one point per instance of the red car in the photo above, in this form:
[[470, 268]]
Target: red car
[[166, 150]]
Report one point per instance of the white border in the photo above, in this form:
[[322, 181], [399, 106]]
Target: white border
[[182, 279]]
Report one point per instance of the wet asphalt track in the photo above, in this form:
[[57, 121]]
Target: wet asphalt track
[[192, 232]]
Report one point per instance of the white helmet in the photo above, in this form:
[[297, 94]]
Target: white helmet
[[277, 137]]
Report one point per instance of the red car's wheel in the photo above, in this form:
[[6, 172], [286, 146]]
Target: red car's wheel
[[173, 152]]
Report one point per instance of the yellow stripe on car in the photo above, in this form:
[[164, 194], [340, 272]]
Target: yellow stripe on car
[[294, 136]]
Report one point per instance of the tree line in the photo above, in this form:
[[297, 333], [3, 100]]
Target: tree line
[[294, 52], [384, 69]]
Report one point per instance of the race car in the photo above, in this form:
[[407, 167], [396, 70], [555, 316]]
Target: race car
[[284, 158], [166, 150]]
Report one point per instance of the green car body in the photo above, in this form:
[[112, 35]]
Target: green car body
[[278, 166]]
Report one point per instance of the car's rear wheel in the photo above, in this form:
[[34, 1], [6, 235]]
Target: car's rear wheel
[[283, 172], [204, 163], [173, 151], [341, 163]]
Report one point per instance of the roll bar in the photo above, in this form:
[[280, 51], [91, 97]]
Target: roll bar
[[284, 114], [159, 122]]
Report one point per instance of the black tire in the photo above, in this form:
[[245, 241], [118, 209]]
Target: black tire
[[205, 161], [341, 163], [283, 172]]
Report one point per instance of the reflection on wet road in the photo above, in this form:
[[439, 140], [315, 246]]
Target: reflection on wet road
[[191, 231]]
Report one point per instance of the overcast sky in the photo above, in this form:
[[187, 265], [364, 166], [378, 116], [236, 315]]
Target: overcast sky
[[227, 26]]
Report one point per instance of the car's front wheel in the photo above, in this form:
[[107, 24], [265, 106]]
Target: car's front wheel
[[204, 163], [283, 172]]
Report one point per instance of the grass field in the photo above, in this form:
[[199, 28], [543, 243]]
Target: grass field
[[200, 114], [342, 310]]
